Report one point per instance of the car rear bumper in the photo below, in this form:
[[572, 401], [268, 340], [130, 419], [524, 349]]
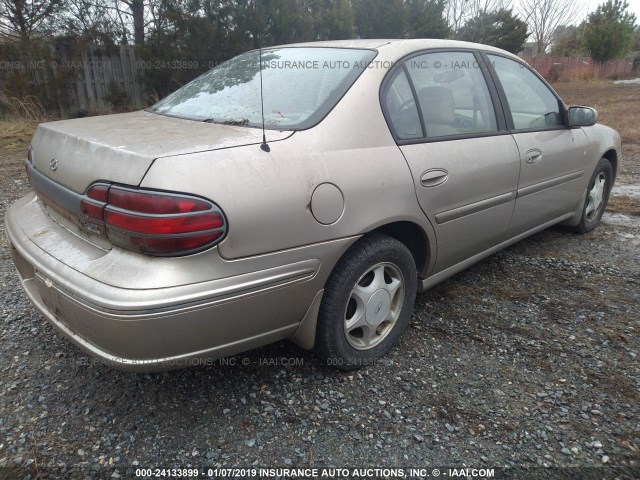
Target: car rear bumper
[[170, 327]]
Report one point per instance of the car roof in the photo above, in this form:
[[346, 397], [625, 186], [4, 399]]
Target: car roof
[[399, 47]]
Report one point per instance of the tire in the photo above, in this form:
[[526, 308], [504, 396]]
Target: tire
[[597, 199], [367, 302]]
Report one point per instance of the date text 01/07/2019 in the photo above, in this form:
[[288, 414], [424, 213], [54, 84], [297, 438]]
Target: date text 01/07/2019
[[314, 472]]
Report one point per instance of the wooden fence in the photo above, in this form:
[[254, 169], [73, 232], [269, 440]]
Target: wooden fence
[[71, 78], [100, 69]]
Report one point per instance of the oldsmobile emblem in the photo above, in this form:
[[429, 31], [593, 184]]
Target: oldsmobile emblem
[[53, 164]]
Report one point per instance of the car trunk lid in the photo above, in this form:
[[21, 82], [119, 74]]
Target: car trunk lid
[[120, 148], [69, 156]]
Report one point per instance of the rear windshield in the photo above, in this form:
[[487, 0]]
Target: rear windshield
[[301, 86]]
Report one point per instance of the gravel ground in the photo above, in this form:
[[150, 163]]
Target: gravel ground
[[529, 358]]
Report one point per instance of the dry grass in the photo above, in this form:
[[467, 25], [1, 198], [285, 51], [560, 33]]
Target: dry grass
[[152, 97], [618, 105], [17, 128], [28, 107], [22, 117], [16, 133], [15, 136], [624, 204], [576, 74]]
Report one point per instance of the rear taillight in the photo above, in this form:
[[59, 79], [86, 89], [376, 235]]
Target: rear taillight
[[155, 203], [163, 224], [99, 192], [154, 223]]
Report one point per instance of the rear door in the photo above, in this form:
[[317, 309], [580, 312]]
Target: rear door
[[464, 163], [551, 154]]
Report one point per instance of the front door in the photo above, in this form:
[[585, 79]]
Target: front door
[[551, 155], [464, 163]]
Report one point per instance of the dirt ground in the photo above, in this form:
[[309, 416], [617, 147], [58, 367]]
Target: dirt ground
[[529, 360]]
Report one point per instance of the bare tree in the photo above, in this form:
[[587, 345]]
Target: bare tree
[[136, 10], [138, 16], [90, 19], [544, 17], [455, 15], [21, 18], [458, 12], [128, 15], [133, 18]]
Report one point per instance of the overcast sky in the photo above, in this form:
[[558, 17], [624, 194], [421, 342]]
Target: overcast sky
[[634, 6]]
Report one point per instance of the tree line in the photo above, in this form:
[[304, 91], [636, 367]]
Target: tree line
[[169, 34]]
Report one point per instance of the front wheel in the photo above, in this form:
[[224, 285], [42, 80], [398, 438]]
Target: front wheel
[[597, 196], [367, 302]]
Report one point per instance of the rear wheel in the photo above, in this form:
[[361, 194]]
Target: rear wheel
[[597, 196], [367, 302]]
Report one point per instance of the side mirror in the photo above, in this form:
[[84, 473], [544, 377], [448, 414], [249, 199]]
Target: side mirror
[[582, 116]]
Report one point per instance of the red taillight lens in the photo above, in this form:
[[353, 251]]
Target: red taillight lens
[[163, 245], [161, 225], [98, 192], [154, 223], [155, 203], [93, 206]]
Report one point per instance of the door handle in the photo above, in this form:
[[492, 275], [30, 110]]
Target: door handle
[[434, 177], [533, 156]]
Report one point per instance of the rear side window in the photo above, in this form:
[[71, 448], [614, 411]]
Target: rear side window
[[301, 86], [452, 94], [401, 107], [531, 103]]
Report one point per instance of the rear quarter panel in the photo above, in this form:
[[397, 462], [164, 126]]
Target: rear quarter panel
[[267, 196]]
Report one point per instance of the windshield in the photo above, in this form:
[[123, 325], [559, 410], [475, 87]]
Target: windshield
[[300, 85]]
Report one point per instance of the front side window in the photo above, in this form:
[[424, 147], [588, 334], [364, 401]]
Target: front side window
[[452, 94], [300, 87], [531, 102]]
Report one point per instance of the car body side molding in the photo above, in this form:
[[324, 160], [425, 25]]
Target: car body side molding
[[538, 187], [475, 207]]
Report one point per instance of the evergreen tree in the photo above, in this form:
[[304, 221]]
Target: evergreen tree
[[333, 19], [380, 18], [426, 19], [500, 28], [610, 31], [569, 41]]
